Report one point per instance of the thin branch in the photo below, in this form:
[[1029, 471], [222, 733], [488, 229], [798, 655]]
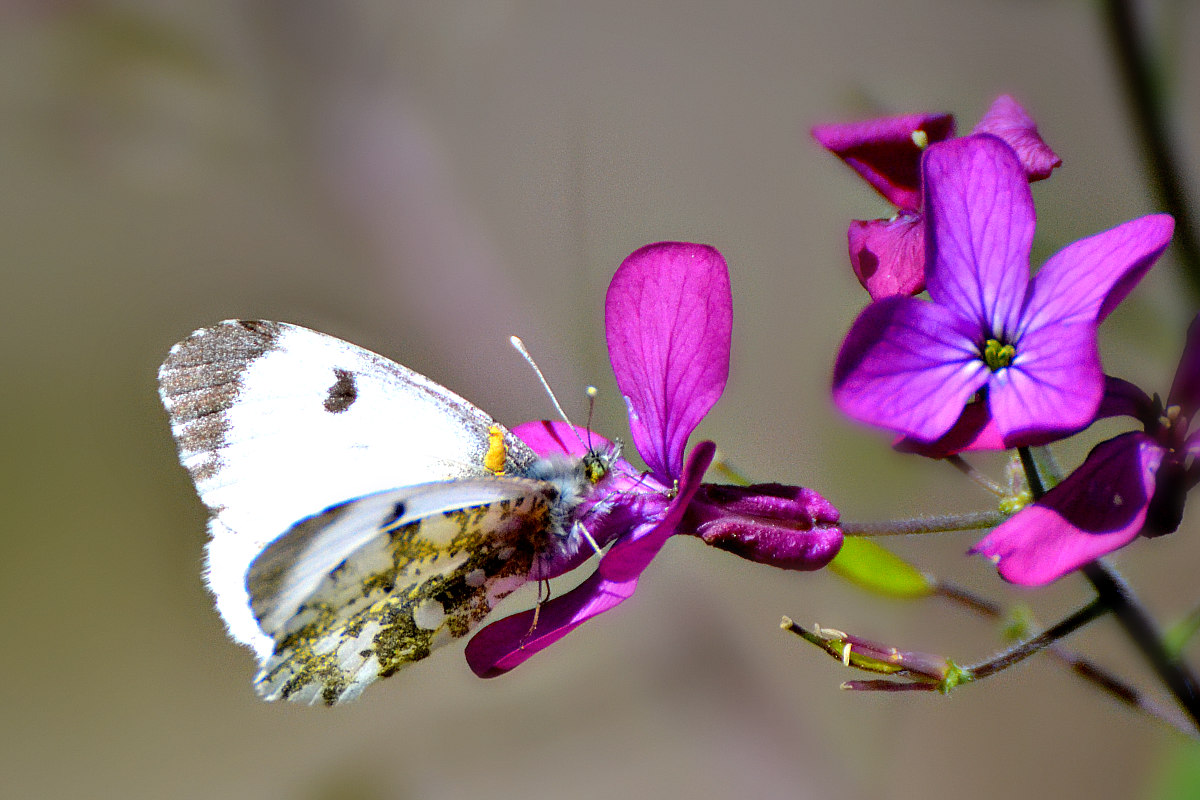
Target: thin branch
[[1145, 100], [941, 524]]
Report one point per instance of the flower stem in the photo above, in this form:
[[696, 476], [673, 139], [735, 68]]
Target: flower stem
[[940, 524], [1095, 674], [1134, 65], [1116, 594], [1046, 638], [960, 464]]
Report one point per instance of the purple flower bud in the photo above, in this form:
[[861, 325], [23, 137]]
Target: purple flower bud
[[785, 526]]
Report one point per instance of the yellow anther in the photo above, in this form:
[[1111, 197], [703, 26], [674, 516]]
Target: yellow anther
[[997, 355], [497, 453], [920, 138]]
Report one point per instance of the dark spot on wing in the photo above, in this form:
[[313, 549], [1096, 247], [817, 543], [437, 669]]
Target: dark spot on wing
[[397, 512], [343, 393]]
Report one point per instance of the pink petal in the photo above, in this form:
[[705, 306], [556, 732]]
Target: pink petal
[[909, 366], [1086, 280], [888, 255], [552, 438], [1053, 387], [1008, 121], [884, 153], [507, 643], [974, 430], [1185, 389], [1099, 508], [979, 229], [668, 319]]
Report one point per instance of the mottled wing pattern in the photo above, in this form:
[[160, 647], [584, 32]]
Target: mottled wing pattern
[[276, 423], [366, 587]]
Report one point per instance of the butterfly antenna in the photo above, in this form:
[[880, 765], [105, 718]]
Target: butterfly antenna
[[591, 393], [519, 346]]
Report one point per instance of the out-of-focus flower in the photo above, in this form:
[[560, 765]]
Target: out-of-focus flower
[[888, 255]]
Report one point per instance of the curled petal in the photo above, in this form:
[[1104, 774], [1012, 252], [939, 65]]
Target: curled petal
[[1009, 122], [1123, 399], [887, 152], [668, 318], [1185, 390], [789, 527], [1088, 279], [507, 643], [909, 366], [1053, 387], [979, 224], [1099, 508], [888, 255]]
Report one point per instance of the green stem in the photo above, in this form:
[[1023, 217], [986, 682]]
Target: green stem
[[1098, 676], [1048, 637], [941, 524]]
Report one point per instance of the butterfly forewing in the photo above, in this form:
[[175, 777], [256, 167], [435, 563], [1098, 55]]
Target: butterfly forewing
[[276, 423], [366, 587]]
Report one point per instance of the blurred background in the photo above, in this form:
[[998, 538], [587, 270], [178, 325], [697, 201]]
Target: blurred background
[[425, 179]]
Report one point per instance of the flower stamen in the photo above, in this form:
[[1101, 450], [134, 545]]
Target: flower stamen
[[997, 355]]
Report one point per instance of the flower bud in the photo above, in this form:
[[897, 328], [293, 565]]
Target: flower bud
[[785, 526]]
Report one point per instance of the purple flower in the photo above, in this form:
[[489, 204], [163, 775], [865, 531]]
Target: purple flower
[[668, 319], [997, 359], [1129, 485], [888, 255]]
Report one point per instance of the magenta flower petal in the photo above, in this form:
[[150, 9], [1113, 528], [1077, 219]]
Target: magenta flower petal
[[885, 152], [1009, 122], [1099, 508], [975, 430], [507, 643], [668, 318], [1053, 387], [908, 365], [1087, 279], [979, 230], [1185, 389], [551, 438], [888, 255]]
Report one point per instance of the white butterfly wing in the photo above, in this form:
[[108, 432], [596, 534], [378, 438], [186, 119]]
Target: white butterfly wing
[[364, 588], [276, 423]]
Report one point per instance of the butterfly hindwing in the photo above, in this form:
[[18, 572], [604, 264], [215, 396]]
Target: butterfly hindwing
[[366, 587], [276, 423]]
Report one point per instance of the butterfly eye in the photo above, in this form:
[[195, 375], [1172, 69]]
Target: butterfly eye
[[595, 466]]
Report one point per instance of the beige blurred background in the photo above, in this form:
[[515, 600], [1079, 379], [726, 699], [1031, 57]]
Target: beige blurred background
[[426, 179]]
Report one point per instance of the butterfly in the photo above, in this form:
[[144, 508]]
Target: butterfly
[[361, 514]]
